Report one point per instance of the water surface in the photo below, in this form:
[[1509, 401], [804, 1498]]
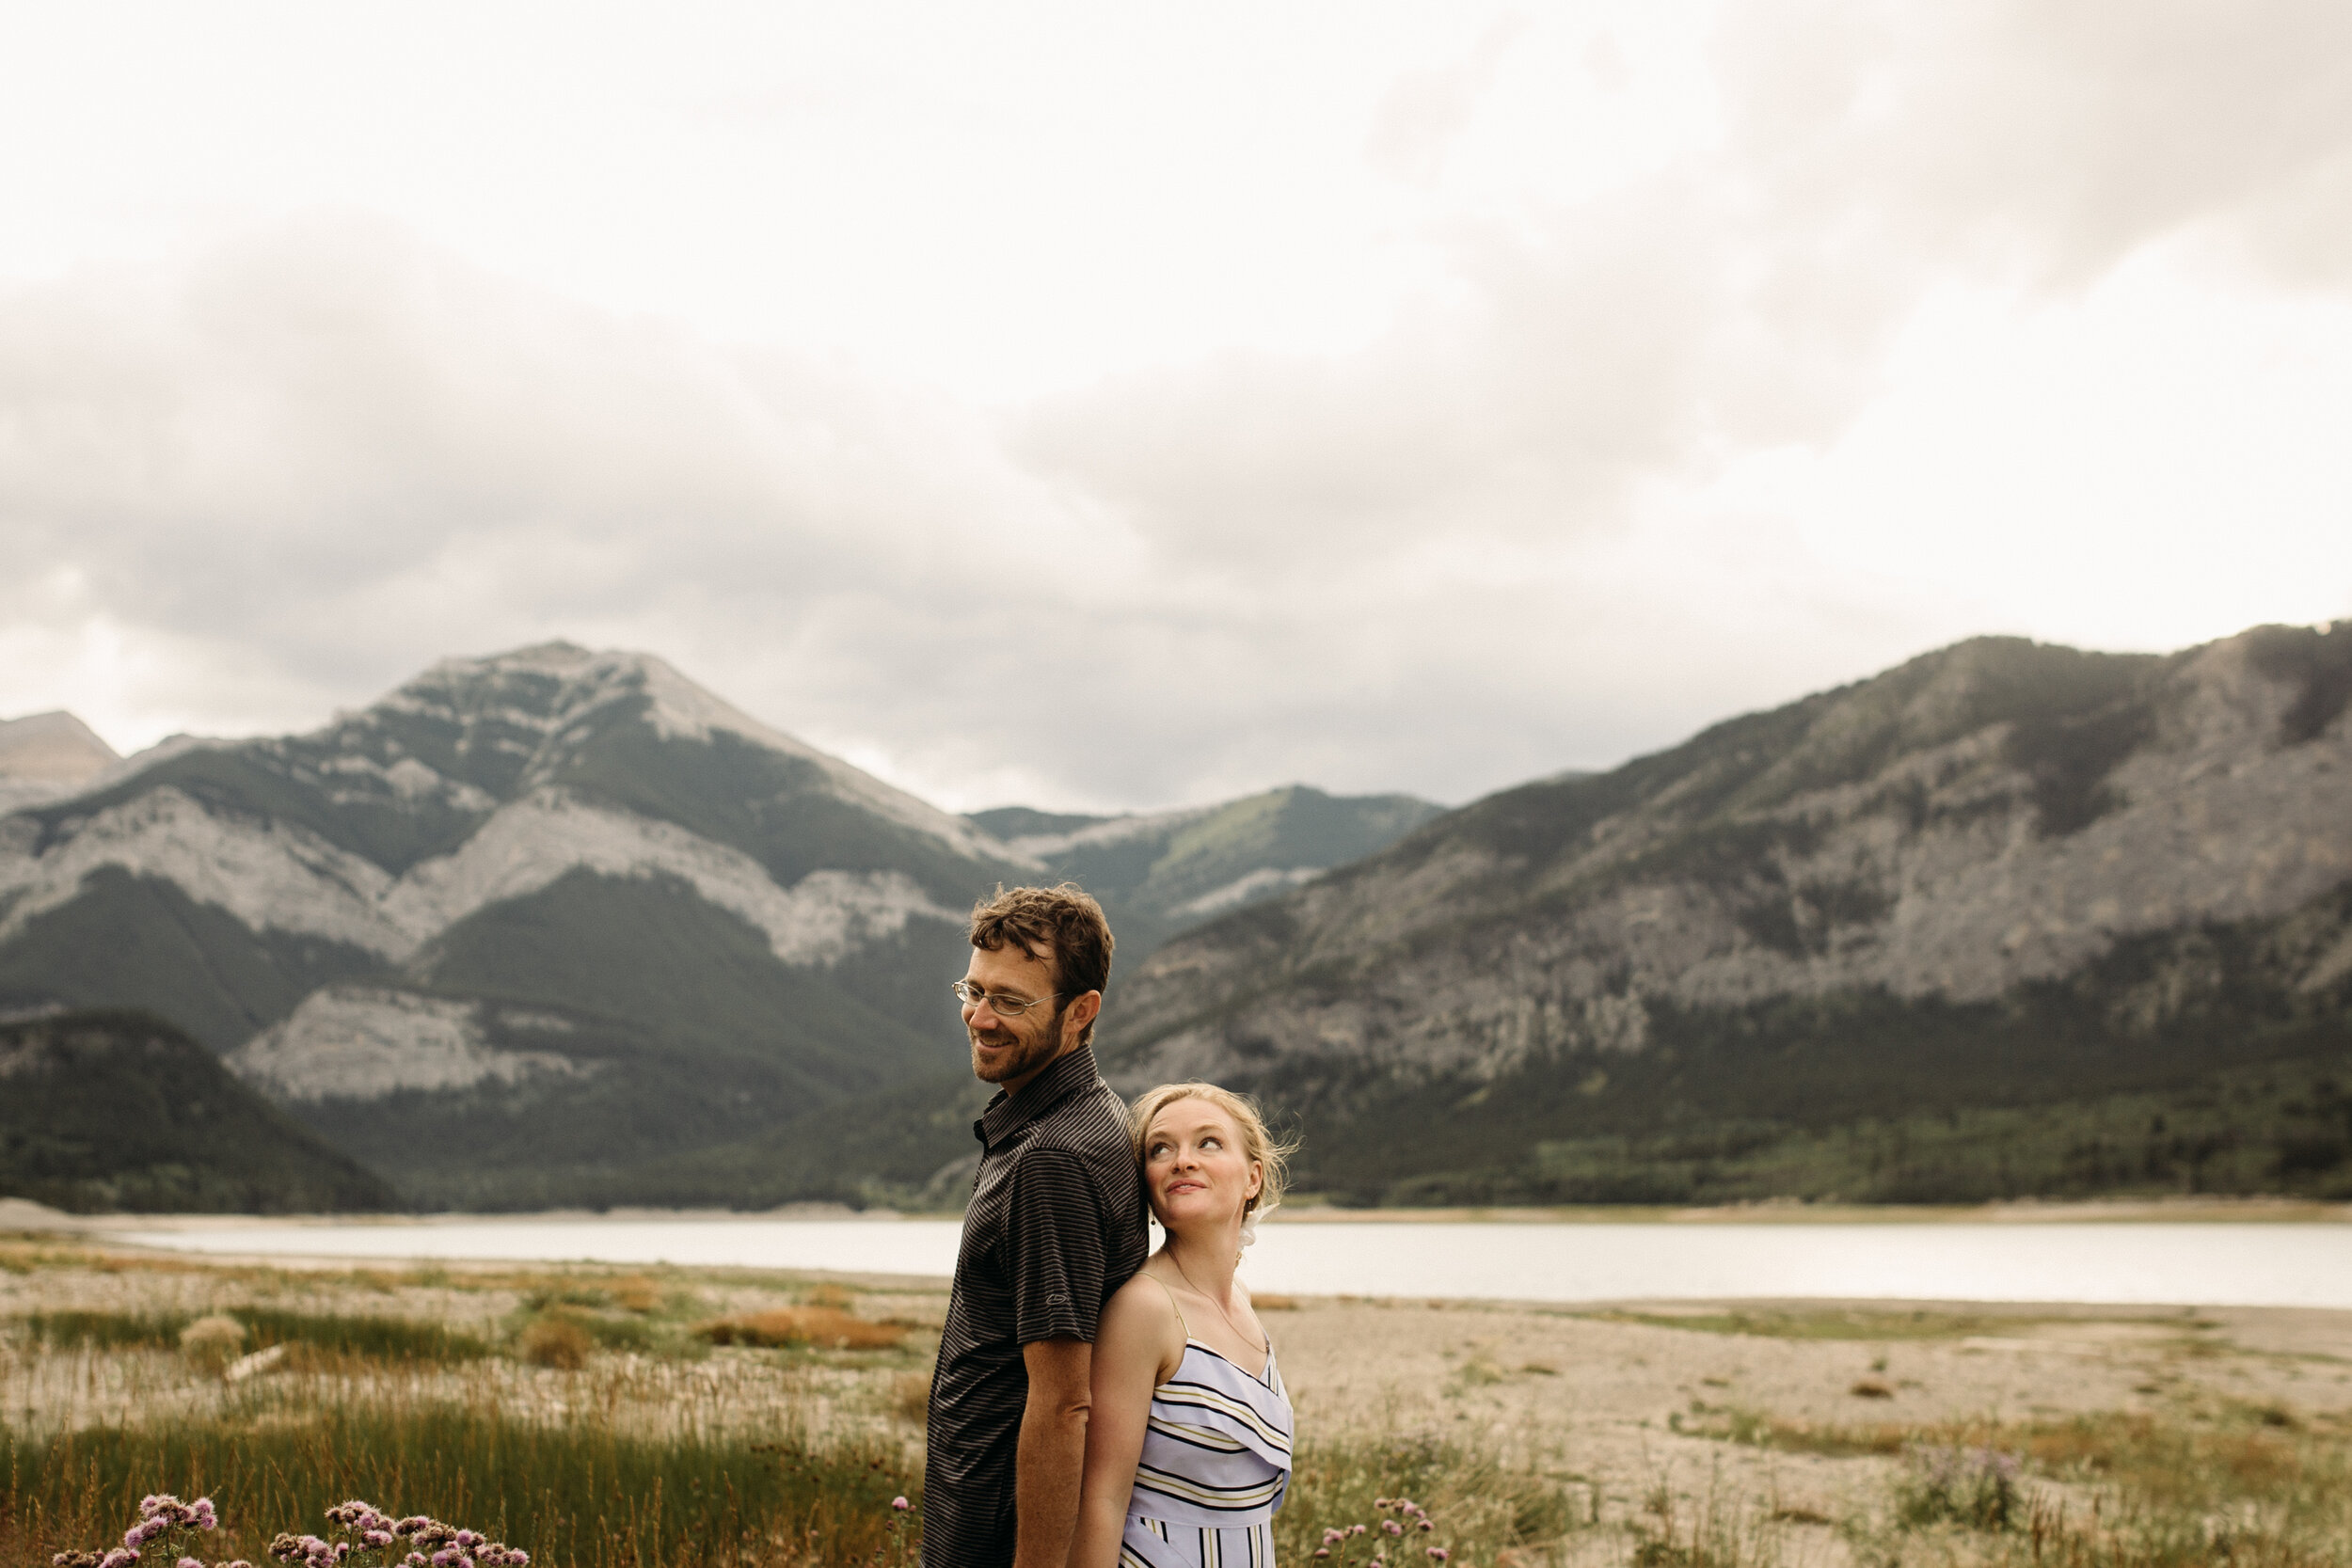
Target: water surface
[[2203, 1265]]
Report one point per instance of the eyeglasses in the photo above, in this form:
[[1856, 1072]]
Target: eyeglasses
[[1001, 1004]]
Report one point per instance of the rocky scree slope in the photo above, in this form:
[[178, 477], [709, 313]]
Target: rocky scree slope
[[2003, 875]]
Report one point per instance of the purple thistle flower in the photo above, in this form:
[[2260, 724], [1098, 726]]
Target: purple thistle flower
[[1390, 1527], [1426, 1524], [189, 1563], [900, 1504], [1322, 1551], [1438, 1554]]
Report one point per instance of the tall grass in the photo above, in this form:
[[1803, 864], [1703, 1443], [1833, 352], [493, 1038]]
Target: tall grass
[[579, 1493], [386, 1338]]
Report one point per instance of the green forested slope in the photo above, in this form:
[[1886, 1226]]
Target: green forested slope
[[120, 1111]]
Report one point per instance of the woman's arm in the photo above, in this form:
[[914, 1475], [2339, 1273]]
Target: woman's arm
[[1132, 1356]]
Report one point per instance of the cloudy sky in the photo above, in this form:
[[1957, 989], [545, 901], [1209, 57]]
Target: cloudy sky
[[1106, 405]]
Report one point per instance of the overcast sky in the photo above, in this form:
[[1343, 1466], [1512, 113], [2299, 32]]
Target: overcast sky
[[1107, 406]]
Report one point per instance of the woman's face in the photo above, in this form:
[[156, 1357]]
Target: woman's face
[[1193, 1167]]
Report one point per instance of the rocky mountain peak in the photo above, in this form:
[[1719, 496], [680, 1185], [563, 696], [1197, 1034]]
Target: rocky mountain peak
[[51, 748], [44, 755]]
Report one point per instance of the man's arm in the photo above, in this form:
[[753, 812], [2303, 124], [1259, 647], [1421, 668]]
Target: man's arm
[[1052, 1456]]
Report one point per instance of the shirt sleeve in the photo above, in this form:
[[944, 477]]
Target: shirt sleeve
[[1058, 1245]]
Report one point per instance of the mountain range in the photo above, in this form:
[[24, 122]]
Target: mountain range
[[2008, 919], [559, 925]]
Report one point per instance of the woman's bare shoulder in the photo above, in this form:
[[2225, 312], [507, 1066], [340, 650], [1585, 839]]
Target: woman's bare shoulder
[[1143, 1310], [1143, 1297]]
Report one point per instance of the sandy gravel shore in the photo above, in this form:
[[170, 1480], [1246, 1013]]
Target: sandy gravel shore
[[1624, 1402]]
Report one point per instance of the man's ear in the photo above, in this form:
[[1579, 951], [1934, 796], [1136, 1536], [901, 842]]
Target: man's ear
[[1083, 1010]]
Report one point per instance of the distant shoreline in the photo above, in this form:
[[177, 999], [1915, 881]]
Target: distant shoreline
[[20, 1215]]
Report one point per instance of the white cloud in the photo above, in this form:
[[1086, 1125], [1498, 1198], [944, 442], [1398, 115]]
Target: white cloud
[[1100, 412]]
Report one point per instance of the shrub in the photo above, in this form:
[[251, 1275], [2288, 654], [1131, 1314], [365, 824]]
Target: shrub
[[554, 1342], [1485, 1506], [214, 1342], [1973, 1487]]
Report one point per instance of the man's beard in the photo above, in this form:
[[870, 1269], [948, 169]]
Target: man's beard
[[1028, 1055]]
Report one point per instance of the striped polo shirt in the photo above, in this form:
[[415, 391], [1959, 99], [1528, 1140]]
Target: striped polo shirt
[[1056, 1224]]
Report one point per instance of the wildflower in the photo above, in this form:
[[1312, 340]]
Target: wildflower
[[189, 1563], [1426, 1524], [1438, 1554], [1322, 1551], [1390, 1527], [1379, 1502], [900, 1504], [1331, 1537], [1358, 1529]]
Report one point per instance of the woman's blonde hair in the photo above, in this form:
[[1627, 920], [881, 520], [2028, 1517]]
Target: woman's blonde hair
[[1257, 1143]]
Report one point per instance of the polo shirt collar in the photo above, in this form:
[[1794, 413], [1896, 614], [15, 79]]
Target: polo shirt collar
[[1066, 1077]]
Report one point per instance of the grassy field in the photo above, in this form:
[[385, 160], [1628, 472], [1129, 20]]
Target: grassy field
[[671, 1419]]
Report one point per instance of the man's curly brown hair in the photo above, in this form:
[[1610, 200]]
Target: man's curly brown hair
[[1064, 926]]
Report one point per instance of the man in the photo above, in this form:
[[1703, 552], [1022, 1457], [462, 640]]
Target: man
[[1056, 1224]]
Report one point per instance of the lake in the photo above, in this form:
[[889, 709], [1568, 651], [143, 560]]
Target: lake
[[2189, 1264]]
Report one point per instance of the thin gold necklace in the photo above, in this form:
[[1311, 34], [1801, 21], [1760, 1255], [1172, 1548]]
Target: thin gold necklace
[[1220, 1311]]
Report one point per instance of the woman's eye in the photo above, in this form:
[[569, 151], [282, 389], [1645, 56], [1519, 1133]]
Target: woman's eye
[[1212, 1143]]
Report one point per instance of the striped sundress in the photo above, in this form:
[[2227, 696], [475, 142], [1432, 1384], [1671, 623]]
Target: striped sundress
[[1217, 1460]]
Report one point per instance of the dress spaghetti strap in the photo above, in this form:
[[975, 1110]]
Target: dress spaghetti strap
[[1171, 1302]]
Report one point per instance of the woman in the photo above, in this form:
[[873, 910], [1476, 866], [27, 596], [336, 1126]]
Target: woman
[[1188, 1448]]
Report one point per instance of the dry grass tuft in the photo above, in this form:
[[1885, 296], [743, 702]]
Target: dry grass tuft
[[823, 1327], [554, 1342], [634, 1293], [911, 1398]]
